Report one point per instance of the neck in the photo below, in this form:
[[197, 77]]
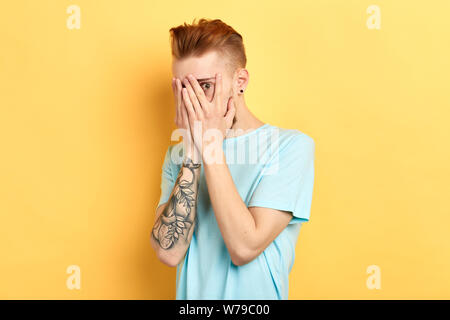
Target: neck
[[243, 120]]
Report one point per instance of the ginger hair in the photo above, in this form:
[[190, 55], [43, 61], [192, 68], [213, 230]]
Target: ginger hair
[[208, 35]]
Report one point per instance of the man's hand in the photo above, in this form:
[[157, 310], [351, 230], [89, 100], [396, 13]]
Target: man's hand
[[182, 122], [215, 117]]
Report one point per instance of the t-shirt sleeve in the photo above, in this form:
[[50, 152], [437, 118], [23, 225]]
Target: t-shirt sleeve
[[288, 182], [168, 178]]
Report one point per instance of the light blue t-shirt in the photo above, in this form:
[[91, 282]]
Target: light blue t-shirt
[[271, 167]]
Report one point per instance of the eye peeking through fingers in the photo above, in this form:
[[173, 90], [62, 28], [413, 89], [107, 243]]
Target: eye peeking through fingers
[[208, 85]]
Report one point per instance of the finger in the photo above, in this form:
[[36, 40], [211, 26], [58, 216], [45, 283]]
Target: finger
[[175, 98], [235, 97], [231, 112], [188, 105], [189, 115], [198, 91], [187, 138], [184, 116], [218, 91], [193, 99], [174, 91], [178, 94]]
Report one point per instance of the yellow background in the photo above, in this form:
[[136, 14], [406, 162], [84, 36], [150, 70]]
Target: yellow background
[[86, 116]]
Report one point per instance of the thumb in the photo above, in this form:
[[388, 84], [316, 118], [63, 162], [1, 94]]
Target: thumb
[[231, 112]]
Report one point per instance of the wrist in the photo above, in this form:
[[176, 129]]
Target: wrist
[[213, 154], [192, 158], [191, 153]]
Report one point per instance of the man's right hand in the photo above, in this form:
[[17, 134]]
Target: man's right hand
[[182, 122]]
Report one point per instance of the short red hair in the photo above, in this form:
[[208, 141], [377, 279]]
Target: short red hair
[[206, 35]]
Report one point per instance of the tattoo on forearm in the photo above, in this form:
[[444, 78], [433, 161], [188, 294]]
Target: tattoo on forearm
[[178, 216]]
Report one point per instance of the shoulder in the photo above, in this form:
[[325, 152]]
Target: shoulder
[[294, 140]]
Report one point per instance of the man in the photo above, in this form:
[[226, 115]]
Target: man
[[228, 224]]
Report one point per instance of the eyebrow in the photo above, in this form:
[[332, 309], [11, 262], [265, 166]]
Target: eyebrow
[[205, 79], [199, 80]]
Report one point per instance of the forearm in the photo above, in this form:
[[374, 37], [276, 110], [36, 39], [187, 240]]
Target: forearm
[[172, 231], [233, 217]]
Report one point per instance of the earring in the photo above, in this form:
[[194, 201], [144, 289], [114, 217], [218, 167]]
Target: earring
[[242, 90]]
